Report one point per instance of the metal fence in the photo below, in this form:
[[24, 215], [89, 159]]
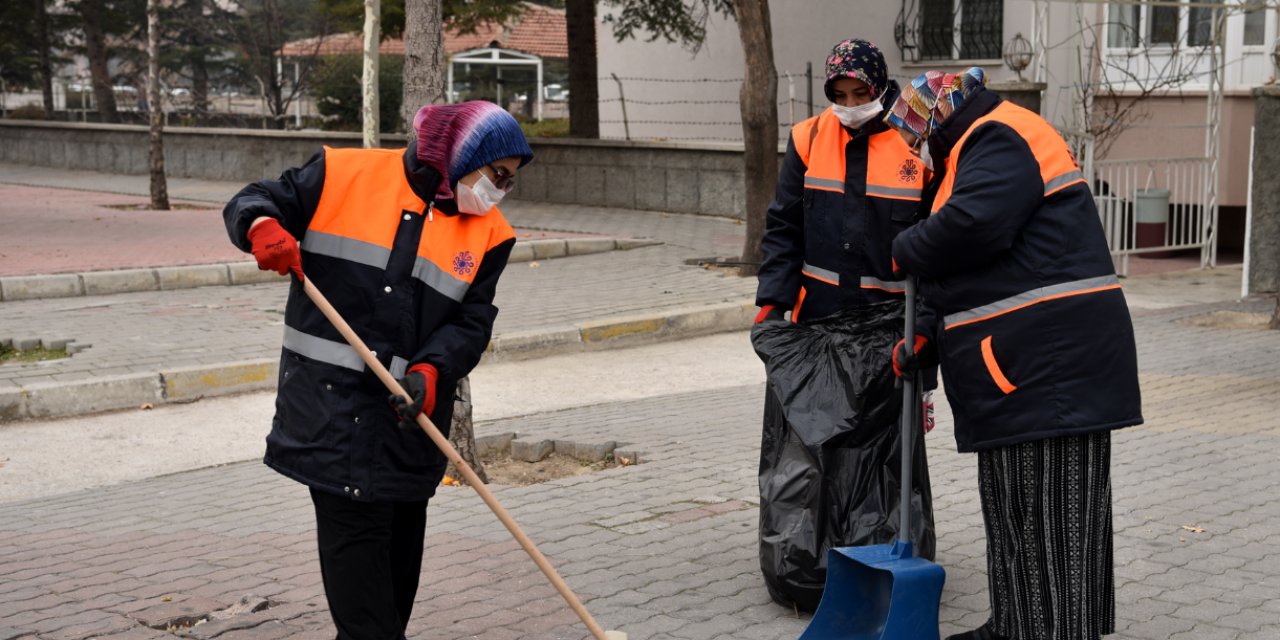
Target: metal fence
[[1149, 206], [1155, 205]]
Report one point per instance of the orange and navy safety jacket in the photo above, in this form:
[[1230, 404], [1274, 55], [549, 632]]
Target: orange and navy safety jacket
[[1031, 326], [414, 279], [841, 199]]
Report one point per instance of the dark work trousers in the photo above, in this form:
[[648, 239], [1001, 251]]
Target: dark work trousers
[[370, 559]]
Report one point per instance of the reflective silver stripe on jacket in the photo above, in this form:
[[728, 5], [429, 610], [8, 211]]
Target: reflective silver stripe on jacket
[[898, 192], [358, 251], [821, 274], [1029, 297], [436, 278], [1062, 180], [398, 366], [892, 286], [338, 354], [824, 183]]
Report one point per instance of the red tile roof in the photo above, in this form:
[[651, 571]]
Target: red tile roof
[[539, 30]]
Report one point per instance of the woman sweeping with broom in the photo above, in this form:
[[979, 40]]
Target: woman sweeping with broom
[[1035, 343], [410, 245]]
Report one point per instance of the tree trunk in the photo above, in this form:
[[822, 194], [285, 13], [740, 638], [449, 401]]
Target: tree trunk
[[199, 67], [200, 85], [1275, 315], [462, 434], [584, 93], [155, 109], [758, 102], [369, 79], [46, 64], [95, 45], [424, 60]]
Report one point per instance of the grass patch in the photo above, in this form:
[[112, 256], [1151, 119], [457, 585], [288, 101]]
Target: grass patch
[[10, 355], [173, 206], [546, 129]]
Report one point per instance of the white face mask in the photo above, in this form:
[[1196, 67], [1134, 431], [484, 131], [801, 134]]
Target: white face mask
[[477, 200], [925, 157], [855, 117]]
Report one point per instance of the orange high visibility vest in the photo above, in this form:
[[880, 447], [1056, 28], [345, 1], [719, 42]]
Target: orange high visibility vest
[[373, 180], [892, 170], [1058, 167]]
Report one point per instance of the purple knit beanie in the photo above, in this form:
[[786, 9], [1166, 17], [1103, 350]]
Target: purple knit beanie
[[456, 139]]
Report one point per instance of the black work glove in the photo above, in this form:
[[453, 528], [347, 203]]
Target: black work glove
[[898, 273], [907, 362], [420, 383]]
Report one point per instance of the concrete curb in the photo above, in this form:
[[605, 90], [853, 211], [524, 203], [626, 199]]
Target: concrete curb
[[65, 399], [95, 283]]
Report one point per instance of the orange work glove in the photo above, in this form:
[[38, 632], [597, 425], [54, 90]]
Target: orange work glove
[[769, 312], [274, 249]]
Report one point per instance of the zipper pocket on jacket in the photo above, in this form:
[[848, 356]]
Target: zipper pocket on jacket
[[993, 368]]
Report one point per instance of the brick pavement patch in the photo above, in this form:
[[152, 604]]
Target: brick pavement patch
[[113, 281], [1229, 319], [175, 612]]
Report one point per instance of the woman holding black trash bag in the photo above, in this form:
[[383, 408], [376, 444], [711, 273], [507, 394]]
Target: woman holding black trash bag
[[1035, 343], [829, 472]]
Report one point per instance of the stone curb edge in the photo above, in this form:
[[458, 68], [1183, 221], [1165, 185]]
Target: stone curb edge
[[48, 400], [93, 283]]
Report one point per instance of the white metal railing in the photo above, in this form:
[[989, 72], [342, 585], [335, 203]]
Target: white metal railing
[[1154, 205]]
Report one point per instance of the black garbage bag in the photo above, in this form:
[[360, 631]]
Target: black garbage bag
[[829, 462]]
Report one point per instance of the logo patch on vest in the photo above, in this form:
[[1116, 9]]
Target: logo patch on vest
[[464, 263], [909, 171]]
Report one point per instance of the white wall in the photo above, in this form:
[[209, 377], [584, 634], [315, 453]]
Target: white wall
[[803, 31]]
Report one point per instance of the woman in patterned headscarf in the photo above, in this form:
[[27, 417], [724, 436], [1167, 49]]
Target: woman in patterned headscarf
[[848, 185], [844, 164], [1036, 347]]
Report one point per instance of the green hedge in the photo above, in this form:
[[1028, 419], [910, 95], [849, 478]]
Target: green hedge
[[336, 86]]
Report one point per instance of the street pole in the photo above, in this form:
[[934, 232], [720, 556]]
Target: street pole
[[369, 80], [808, 85]]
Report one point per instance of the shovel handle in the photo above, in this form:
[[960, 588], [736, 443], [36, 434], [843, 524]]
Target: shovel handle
[[443, 443], [907, 421]]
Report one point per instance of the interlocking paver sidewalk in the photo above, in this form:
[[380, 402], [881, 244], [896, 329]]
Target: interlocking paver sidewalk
[[667, 549]]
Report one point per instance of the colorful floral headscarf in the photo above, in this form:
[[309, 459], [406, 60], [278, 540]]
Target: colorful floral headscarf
[[931, 98], [860, 60]]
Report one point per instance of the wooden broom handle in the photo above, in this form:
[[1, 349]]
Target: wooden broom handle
[[467, 473]]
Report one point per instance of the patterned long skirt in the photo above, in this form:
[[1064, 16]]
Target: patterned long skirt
[[1047, 509]]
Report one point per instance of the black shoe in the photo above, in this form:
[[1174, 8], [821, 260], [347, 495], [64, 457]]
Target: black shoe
[[981, 633]]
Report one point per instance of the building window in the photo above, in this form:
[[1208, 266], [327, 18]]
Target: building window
[[937, 29], [1255, 27], [981, 27], [1123, 25], [1200, 27], [1164, 25], [950, 29], [1192, 23]]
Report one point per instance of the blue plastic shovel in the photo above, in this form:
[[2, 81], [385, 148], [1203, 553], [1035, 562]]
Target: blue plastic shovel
[[883, 591]]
